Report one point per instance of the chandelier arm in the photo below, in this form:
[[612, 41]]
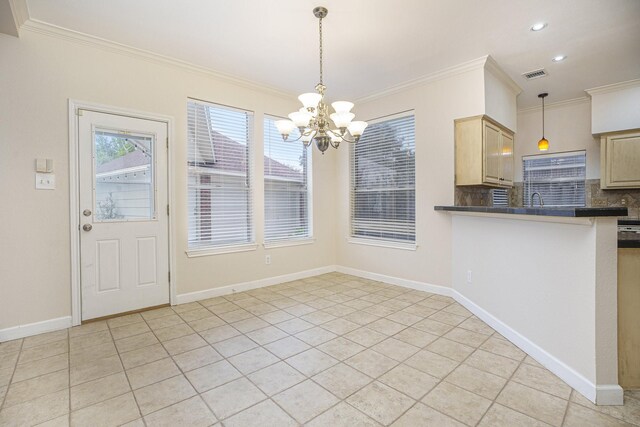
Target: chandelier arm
[[343, 137], [350, 141], [293, 140]]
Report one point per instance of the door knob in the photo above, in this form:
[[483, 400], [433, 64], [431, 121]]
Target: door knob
[[87, 227], [86, 212]]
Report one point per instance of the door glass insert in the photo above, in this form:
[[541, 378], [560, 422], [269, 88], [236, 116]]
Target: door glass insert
[[124, 176]]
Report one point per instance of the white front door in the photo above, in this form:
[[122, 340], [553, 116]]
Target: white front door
[[124, 239]]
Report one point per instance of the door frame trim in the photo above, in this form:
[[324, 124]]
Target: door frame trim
[[74, 195]]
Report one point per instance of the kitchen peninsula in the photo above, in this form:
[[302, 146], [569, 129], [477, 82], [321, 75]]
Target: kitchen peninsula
[[545, 278]]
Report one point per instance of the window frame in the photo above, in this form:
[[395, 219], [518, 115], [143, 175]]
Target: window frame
[[373, 240], [289, 241], [209, 248]]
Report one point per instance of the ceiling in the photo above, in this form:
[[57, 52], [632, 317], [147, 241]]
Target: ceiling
[[371, 45]]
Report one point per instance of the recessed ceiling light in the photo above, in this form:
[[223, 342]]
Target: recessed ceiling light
[[559, 58], [538, 26]]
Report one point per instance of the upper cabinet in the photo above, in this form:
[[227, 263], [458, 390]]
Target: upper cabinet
[[484, 152], [620, 160]]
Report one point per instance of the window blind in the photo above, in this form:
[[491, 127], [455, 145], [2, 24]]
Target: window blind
[[219, 181], [383, 180], [559, 178], [286, 185]]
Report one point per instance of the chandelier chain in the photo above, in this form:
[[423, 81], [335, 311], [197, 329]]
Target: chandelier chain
[[320, 27]]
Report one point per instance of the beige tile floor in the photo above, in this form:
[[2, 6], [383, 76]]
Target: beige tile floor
[[332, 350]]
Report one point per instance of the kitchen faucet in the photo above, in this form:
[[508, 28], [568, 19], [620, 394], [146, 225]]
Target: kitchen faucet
[[540, 197]]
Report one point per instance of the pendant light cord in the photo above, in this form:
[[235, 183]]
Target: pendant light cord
[[543, 117]]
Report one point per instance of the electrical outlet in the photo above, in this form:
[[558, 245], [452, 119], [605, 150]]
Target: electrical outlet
[[469, 276], [267, 259]]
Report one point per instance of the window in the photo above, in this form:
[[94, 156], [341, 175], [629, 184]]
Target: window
[[286, 186], [559, 178], [500, 197], [219, 181], [383, 181]]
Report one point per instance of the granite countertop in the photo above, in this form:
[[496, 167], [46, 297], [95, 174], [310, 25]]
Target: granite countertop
[[564, 212]]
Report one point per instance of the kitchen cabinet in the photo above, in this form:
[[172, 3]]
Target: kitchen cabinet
[[620, 160], [484, 152], [629, 317]]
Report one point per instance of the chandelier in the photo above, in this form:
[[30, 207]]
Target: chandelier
[[313, 120]]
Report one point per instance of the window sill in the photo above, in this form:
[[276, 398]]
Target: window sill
[[285, 243], [194, 253], [383, 243]]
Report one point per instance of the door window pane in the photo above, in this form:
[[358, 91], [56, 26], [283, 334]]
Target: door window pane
[[124, 187]]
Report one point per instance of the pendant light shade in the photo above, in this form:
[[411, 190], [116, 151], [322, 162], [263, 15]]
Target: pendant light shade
[[543, 144]]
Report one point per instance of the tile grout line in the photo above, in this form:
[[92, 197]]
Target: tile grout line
[[376, 290], [170, 356], [125, 375], [520, 363], [13, 372], [145, 320], [340, 400], [69, 374], [307, 378], [443, 379]]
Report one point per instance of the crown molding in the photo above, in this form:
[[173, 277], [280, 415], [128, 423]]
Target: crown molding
[[557, 104], [613, 87], [475, 64], [20, 11], [44, 28], [492, 66]]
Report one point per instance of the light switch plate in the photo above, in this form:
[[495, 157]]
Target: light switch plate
[[45, 181]]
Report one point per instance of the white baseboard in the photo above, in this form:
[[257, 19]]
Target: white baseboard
[[562, 370], [405, 283], [255, 284], [23, 331], [602, 394]]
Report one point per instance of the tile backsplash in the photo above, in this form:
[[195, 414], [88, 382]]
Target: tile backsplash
[[595, 197], [598, 197]]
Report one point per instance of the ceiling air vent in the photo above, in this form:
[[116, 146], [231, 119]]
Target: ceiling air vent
[[535, 74]]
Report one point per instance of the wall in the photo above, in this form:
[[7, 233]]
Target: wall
[[500, 94], [436, 104], [567, 127], [557, 298], [615, 107], [39, 74]]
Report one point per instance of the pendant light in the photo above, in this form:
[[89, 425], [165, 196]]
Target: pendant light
[[543, 144]]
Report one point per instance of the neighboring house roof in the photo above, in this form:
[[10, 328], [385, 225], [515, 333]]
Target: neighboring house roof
[[129, 160], [223, 153]]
